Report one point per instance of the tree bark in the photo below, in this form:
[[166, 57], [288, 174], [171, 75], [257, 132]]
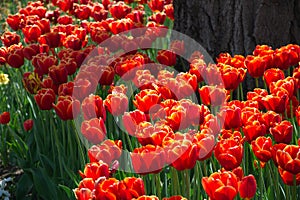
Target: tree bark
[[237, 26]]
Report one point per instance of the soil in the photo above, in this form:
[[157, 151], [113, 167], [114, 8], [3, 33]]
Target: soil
[[13, 172]]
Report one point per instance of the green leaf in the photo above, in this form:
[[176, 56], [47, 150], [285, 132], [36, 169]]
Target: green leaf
[[23, 186], [67, 190]]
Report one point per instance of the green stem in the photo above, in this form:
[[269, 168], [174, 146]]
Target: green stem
[[294, 189], [256, 83], [158, 185], [175, 181], [187, 185]]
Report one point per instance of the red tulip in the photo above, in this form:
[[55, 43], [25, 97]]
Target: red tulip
[[229, 153], [289, 158], [119, 10], [197, 67], [92, 107], [43, 62], [182, 153], [146, 99], [67, 108], [169, 10], [247, 187], [282, 132], [4, 117], [298, 115], [205, 143], [256, 65], [276, 103], [148, 159], [262, 148], [221, 185], [132, 119], [58, 74], [9, 38], [231, 76], [254, 129], [273, 75], [30, 51], [156, 5], [15, 58], [166, 57], [15, 21], [28, 124], [107, 151], [94, 130], [212, 95], [95, 170], [231, 116], [52, 39], [288, 178], [175, 198], [45, 98], [31, 33], [145, 197], [82, 11], [116, 103], [65, 19]]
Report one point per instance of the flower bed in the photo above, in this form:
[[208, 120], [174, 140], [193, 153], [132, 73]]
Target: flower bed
[[91, 86]]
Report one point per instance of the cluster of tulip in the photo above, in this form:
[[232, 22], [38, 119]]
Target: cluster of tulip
[[165, 128]]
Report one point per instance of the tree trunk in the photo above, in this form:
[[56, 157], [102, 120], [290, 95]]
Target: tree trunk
[[237, 26]]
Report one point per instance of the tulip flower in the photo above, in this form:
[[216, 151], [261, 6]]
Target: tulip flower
[[28, 124], [289, 158], [67, 108], [221, 185], [95, 170], [116, 103], [93, 107], [107, 151], [282, 132], [247, 187], [229, 153], [166, 57], [94, 130], [45, 98], [4, 117], [262, 148], [148, 159]]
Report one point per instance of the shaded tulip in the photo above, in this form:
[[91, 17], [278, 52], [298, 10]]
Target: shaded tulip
[[166, 57], [94, 130], [28, 124], [132, 119], [288, 177], [4, 117], [66, 107], [107, 151], [45, 98], [93, 107], [182, 153], [15, 58], [9, 38], [116, 103], [247, 187], [212, 95], [58, 74], [148, 159]]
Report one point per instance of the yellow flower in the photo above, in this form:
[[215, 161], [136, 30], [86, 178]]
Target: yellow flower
[[4, 79]]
